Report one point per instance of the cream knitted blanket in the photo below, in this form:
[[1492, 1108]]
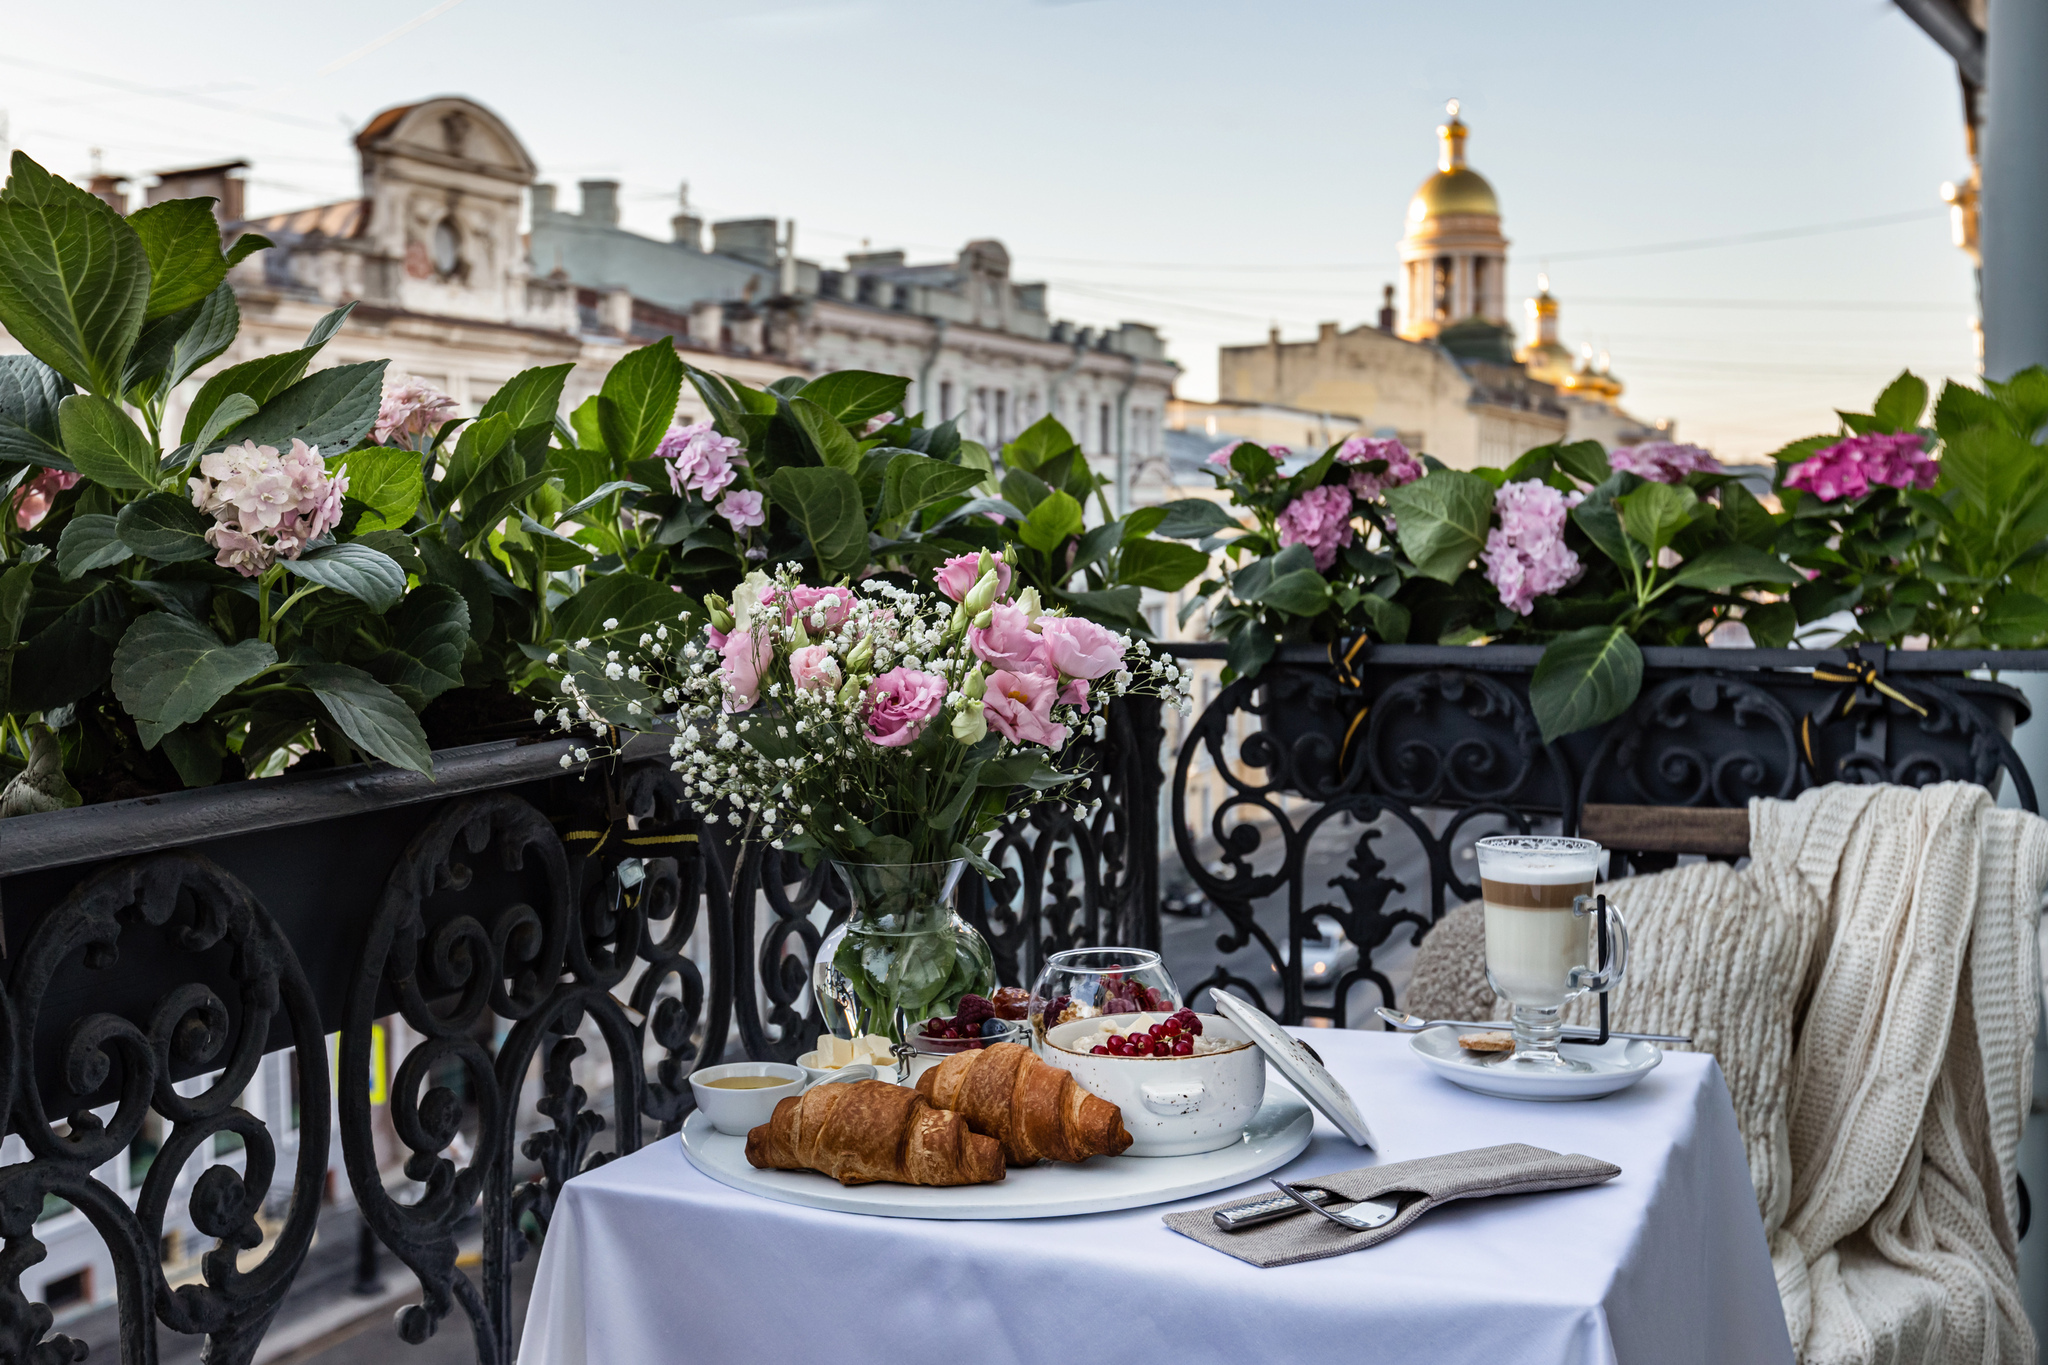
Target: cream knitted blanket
[[1869, 985]]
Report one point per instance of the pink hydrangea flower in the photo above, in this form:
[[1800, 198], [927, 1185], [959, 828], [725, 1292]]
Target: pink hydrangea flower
[[1663, 461], [1398, 466], [742, 507], [1018, 706], [1321, 520], [411, 408], [1525, 556], [1010, 641], [1219, 458], [900, 703], [957, 576], [1078, 648], [265, 505], [32, 503], [1848, 468], [700, 460], [813, 669]]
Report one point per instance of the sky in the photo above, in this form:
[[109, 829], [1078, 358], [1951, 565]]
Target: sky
[[1214, 168]]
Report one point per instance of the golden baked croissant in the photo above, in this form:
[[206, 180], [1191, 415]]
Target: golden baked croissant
[[867, 1131], [1034, 1109]]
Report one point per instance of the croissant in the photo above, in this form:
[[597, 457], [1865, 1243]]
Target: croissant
[[867, 1131], [1034, 1109]]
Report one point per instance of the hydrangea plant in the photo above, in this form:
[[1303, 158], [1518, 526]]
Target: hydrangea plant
[[1885, 531]]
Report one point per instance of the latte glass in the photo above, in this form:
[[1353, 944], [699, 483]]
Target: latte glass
[[1540, 952]]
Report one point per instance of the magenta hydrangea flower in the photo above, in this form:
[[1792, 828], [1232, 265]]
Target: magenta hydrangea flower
[[1321, 520], [1397, 466], [1848, 468], [1525, 556], [742, 507], [1663, 461], [1220, 457], [700, 460]]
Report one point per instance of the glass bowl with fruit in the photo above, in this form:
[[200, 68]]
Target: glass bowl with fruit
[[1087, 983], [975, 1024]]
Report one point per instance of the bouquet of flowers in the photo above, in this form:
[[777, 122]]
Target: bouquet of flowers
[[889, 731]]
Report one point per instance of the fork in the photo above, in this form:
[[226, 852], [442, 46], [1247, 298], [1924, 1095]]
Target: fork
[[1379, 1212]]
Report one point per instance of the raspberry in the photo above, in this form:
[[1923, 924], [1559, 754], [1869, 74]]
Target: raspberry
[[973, 1009]]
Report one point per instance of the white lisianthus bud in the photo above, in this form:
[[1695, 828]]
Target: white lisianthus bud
[[861, 655], [1028, 602], [983, 621], [971, 724], [973, 685], [983, 594]]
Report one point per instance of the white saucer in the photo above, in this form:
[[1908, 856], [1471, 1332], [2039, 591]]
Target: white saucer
[[1617, 1065], [1277, 1134]]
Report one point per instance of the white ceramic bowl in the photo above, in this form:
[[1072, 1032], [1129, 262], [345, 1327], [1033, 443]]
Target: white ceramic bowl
[[1172, 1106], [819, 1074], [737, 1111]]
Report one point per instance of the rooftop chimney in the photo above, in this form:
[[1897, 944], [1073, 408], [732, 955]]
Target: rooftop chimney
[[750, 239], [1387, 309], [220, 183], [689, 228], [600, 201], [543, 200]]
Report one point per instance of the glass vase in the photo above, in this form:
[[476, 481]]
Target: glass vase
[[904, 955]]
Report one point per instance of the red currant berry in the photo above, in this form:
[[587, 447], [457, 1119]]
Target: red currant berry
[[1118, 1047], [1183, 1047], [1195, 1028], [1157, 1030], [1099, 1050]]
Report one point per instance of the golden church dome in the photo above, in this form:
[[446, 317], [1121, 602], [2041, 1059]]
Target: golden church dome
[[1458, 191], [1549, 361], [1455, 188]]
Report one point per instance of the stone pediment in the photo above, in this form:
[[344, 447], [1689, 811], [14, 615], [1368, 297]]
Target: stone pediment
[[449, 132]]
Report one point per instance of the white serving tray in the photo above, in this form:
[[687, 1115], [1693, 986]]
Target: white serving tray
[[1617, 1064], [1276, 1135]]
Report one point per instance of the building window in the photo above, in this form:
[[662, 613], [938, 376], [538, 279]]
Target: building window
[[63, 1292], [981, 415], [447, 247], [945, 399], [1440, 307], [1002, 415], [1105, 447], [1478, 286]]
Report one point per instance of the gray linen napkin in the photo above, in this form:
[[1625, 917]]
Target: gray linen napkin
[[1421, 1185]]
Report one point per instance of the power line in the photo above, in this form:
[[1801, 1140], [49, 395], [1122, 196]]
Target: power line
[[165, 92], [408, 26]]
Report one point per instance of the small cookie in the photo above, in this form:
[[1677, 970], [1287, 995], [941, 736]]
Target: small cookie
[[1496, 1040]]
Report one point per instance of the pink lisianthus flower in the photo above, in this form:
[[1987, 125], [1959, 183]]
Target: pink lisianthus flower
[[813, 669], [1321, 520], [1075, 693], [1848, 468], [1387, 464], [1078, 648], [32, 503], [744, 656], [1663, 461], [742, 507], [1009, 641], [900, 704], [700, 460], [1525, 556], [410, 408], [1018, 706], [804, 601], [958, 575]]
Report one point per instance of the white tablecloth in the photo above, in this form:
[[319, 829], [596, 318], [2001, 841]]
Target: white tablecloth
[[649, 1261]]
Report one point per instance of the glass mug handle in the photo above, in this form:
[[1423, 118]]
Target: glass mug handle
[[1586, 978]]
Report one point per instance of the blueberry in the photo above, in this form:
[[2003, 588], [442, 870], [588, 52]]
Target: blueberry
[[993, 1028]]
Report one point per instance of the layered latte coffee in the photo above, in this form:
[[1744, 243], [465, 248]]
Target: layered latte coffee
[[1533, 940]]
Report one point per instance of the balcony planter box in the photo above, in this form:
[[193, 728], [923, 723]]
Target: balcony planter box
[[1451, 726]]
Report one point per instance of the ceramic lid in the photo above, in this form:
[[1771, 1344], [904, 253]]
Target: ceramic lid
[[1298, 1063]]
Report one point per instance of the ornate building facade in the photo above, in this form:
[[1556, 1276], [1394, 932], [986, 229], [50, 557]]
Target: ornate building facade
[[1441, 371]]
